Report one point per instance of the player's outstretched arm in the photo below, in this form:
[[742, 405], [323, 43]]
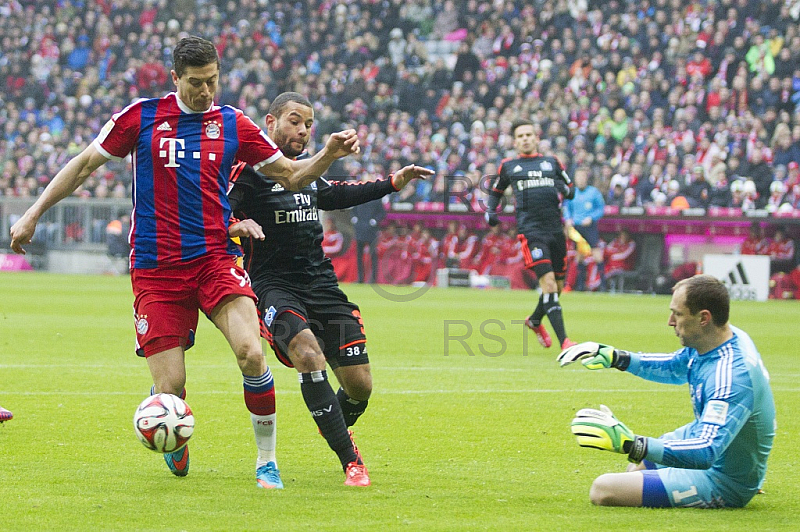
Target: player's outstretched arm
[[345, 194], [295, 175], [600, 429], [408, 173], [595, 356], [66, 181]]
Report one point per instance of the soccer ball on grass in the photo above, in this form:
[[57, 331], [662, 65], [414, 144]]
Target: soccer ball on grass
[[163, 423]]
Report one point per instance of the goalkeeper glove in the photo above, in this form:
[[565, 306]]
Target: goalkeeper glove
[[599, 429], [595, 356], [491, 218]]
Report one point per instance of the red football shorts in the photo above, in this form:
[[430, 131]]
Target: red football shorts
[[167, 300]]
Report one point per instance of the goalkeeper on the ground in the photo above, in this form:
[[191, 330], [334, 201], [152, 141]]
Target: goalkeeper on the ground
[[719, 459]]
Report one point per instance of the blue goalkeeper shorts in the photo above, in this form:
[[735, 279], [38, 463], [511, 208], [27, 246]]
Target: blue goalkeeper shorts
[[696, 488]]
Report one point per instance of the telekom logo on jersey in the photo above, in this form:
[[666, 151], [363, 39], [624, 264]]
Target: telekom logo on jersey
[[175, 150]]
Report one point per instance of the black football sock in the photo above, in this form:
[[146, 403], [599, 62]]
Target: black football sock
[[553, 309], [323, 405], [538, 313], [351, 409]]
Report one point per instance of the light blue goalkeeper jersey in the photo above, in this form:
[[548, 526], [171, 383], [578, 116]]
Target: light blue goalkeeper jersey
[[733, 407]]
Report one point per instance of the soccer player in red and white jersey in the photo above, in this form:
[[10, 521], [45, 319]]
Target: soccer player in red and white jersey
[[490, 251], [755, 243], [182, 148], [620, 254], [450, 245], [421, 253], [467, 247]]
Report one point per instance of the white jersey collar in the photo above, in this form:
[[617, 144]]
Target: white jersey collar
[[185, 108]]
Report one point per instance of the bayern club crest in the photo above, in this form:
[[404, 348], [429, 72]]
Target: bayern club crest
[[212, 130], [141, 324]]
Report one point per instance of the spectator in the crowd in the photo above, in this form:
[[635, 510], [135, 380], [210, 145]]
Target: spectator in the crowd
[[397, 46], [737, 194], [784, 150], [699, 190], [721, 193], [673, 192], [653, 181], [447, 20], [777, 190], [792, 199], [616, 193], [467, 63], [761, 174], [793, 172], [614, 105], [759, 57], [750, 197], [629, 198]]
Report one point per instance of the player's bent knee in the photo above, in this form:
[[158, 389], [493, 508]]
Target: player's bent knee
[[602, 492], [599, 493], [307, 359], [617, 489], [360, 390], [251, 359], [548, 283], [357, 381]]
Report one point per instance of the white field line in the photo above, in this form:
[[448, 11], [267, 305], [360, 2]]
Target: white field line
[[275, 364], [10, 393]]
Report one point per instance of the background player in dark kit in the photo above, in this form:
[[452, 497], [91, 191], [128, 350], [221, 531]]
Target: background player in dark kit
[[539, 183]]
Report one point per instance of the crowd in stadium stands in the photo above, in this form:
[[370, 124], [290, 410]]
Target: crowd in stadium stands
[[665, 103]]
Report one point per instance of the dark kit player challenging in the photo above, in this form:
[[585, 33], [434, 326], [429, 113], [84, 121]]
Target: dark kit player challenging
[[539, 183], [305, 317]]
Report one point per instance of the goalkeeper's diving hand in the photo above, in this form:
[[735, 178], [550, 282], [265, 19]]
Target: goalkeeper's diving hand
[[595, 356], [599, 429]]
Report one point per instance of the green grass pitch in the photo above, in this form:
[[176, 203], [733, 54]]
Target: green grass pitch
[[467, 429]]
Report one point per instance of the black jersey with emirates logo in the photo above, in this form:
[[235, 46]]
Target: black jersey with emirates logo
[[539, 183], [291, 251]]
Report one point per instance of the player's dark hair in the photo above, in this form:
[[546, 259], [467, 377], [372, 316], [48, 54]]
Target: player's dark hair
[[278, 105], [519, 122], [193, 52], [705, 292]]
